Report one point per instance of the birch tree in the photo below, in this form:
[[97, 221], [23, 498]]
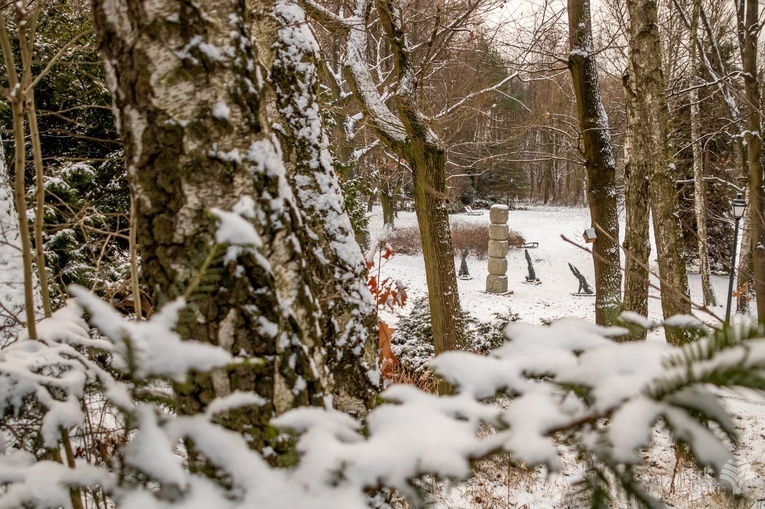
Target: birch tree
[[196, 116], [289, 52], [652, 173]]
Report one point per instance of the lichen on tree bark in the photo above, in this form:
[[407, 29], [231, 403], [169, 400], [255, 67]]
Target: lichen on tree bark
[[188, 92]]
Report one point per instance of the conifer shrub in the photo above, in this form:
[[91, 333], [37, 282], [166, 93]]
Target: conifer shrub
[[412, 341]]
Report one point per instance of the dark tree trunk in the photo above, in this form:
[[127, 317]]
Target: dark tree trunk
[[388, 203], [406, 133], [599, 162], [433, 218]]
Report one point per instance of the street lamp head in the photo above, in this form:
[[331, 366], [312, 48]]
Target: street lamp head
[[739, 205]]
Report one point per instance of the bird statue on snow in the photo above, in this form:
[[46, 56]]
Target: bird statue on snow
[[584, 287], [532, 277]]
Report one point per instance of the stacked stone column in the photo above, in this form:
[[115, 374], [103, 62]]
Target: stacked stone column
[[496, 281]]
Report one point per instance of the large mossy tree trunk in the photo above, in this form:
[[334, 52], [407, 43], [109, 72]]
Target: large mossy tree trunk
[[599, 162], [188, 94], [334, 261], [648, 130]]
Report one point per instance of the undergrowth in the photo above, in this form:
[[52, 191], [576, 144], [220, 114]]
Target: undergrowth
[[412, 341]]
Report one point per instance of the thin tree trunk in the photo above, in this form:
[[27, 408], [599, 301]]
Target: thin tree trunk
[[133, 248], [599, 163], [749, 28], [34, 133], [700, 206], [17, 114]]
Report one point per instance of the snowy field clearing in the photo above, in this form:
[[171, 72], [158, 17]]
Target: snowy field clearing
[[500, 486]]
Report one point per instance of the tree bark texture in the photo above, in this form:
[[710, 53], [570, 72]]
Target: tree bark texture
[[288, 50], [599, 162], [637, 245], [648, 128], [188, 95], [699, 189], [749, 27]]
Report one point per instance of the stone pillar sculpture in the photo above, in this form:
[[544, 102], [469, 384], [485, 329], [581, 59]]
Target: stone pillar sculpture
[[496, 281]]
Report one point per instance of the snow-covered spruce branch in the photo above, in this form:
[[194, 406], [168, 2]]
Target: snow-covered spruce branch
[[569, 378]]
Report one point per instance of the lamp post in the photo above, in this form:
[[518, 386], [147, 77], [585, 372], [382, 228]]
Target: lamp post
[[739, 205]]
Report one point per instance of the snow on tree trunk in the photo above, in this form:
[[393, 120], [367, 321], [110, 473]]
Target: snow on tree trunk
[[289, 51], [599, 162], [188, 94], [648, 130], [11, 263], [748, 28]]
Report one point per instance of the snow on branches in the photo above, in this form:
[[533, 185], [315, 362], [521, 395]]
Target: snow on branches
[[569, 379]]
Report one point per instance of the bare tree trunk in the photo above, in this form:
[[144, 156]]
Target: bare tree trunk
[[387, 201], [195, 123], [699, 194], [745, 271], [34, 134], [649, 148], [599, 162], [637, 245], [749, 28], [19, 163]]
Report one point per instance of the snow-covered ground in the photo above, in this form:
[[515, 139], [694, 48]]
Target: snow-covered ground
[[536, 304], [533, 303]]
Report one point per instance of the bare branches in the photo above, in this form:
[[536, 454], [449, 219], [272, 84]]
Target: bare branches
[[472, 95]]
